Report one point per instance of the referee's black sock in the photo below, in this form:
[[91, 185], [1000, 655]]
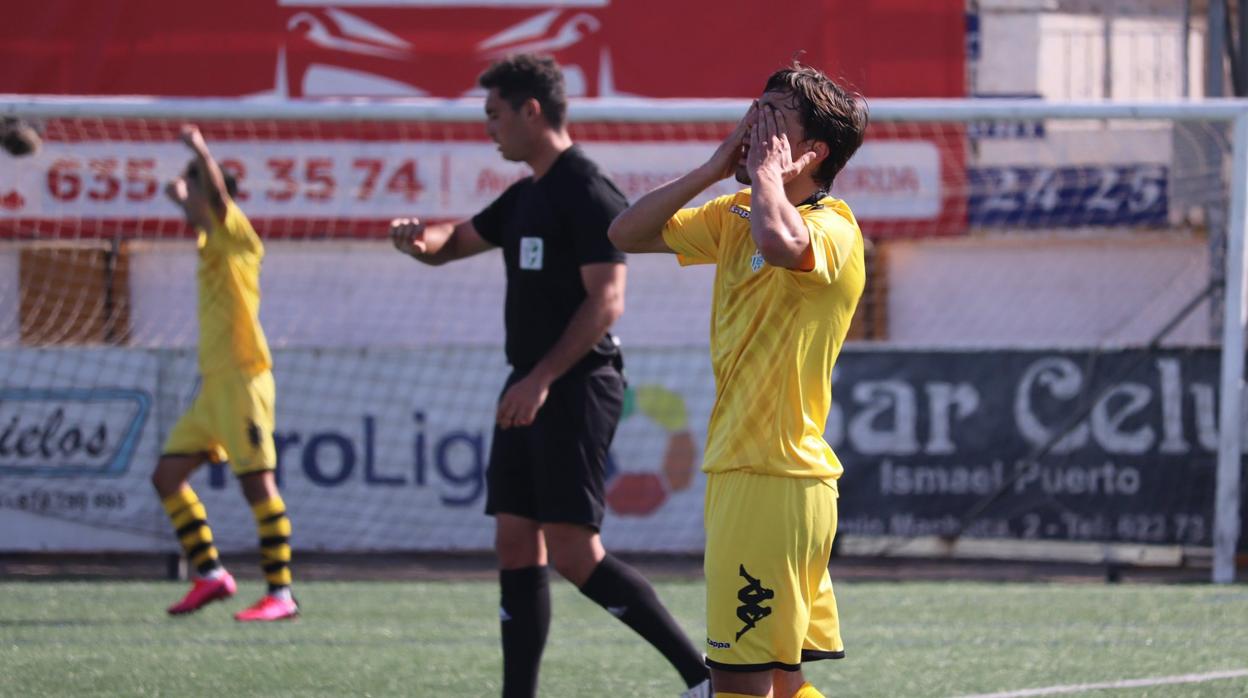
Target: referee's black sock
[[525, 616], [628, 596]]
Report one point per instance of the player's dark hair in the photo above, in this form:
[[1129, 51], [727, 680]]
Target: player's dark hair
[[193, 177], [829, 113], [527, 76]]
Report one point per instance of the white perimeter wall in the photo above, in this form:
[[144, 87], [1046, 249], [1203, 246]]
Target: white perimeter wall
[[1014, 291], [358, 294], [1026, 48], [1010, 291]]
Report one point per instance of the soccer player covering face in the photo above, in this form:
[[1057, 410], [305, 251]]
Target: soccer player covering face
[[232, 416], [789, 272], [559, 408]]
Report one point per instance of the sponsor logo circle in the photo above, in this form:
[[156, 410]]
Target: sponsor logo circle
[[641, 492]]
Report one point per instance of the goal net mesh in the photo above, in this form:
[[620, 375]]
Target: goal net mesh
[[1033, 358]]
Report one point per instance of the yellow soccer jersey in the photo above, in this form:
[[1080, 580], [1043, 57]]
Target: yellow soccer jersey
[[230, 337], [775, 334]]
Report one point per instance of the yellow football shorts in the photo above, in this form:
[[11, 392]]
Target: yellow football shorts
[[769, 600], [230, 420]]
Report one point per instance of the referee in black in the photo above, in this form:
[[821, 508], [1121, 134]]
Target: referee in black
[[561, 404]]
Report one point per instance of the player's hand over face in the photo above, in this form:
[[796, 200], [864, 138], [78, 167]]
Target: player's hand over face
[[725, 158], [770, 154], [408, 236], [520, 403]]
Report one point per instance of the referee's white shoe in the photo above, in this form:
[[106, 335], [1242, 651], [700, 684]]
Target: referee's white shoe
[[702, 690]]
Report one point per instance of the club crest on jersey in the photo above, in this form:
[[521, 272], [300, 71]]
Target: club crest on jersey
[[756, 261], [531, 250]]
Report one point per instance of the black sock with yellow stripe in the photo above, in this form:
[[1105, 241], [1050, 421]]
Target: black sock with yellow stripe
[[274, 529], [190, 521]]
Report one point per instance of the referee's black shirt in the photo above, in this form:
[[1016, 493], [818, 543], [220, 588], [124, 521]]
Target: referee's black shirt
[[548, 229]]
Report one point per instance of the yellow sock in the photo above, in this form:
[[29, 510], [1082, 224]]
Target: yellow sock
[[274, 529], [190, 521], [808, 691]]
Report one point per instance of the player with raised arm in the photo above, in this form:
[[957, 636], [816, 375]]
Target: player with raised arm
[[789, 273], [232, 417], [559, 408]]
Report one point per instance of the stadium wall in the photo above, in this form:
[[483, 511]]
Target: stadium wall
[[941, 292]]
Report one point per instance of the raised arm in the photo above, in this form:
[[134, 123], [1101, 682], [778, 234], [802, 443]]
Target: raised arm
[[214, 179], [436, 244], [640, 227]]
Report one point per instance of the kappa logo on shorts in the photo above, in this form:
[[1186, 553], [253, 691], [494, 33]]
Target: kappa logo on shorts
[[752, 596]]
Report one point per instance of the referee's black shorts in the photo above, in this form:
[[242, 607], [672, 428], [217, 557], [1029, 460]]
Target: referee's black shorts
[[553, 470]]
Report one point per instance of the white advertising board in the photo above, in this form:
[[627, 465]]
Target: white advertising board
[[378, 450]]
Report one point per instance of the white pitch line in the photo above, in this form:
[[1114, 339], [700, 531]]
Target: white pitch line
[[1126, 683]]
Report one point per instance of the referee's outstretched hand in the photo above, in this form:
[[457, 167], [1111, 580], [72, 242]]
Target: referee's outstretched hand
[[408, 236]]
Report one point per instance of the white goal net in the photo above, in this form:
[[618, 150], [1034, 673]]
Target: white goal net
[[1036, 358]]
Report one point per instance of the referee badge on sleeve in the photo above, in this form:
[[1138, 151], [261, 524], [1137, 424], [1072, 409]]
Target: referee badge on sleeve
[[531, 250]]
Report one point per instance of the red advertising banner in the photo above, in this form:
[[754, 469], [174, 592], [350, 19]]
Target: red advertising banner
[[312, 179], [299, 179], [307, 48]]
